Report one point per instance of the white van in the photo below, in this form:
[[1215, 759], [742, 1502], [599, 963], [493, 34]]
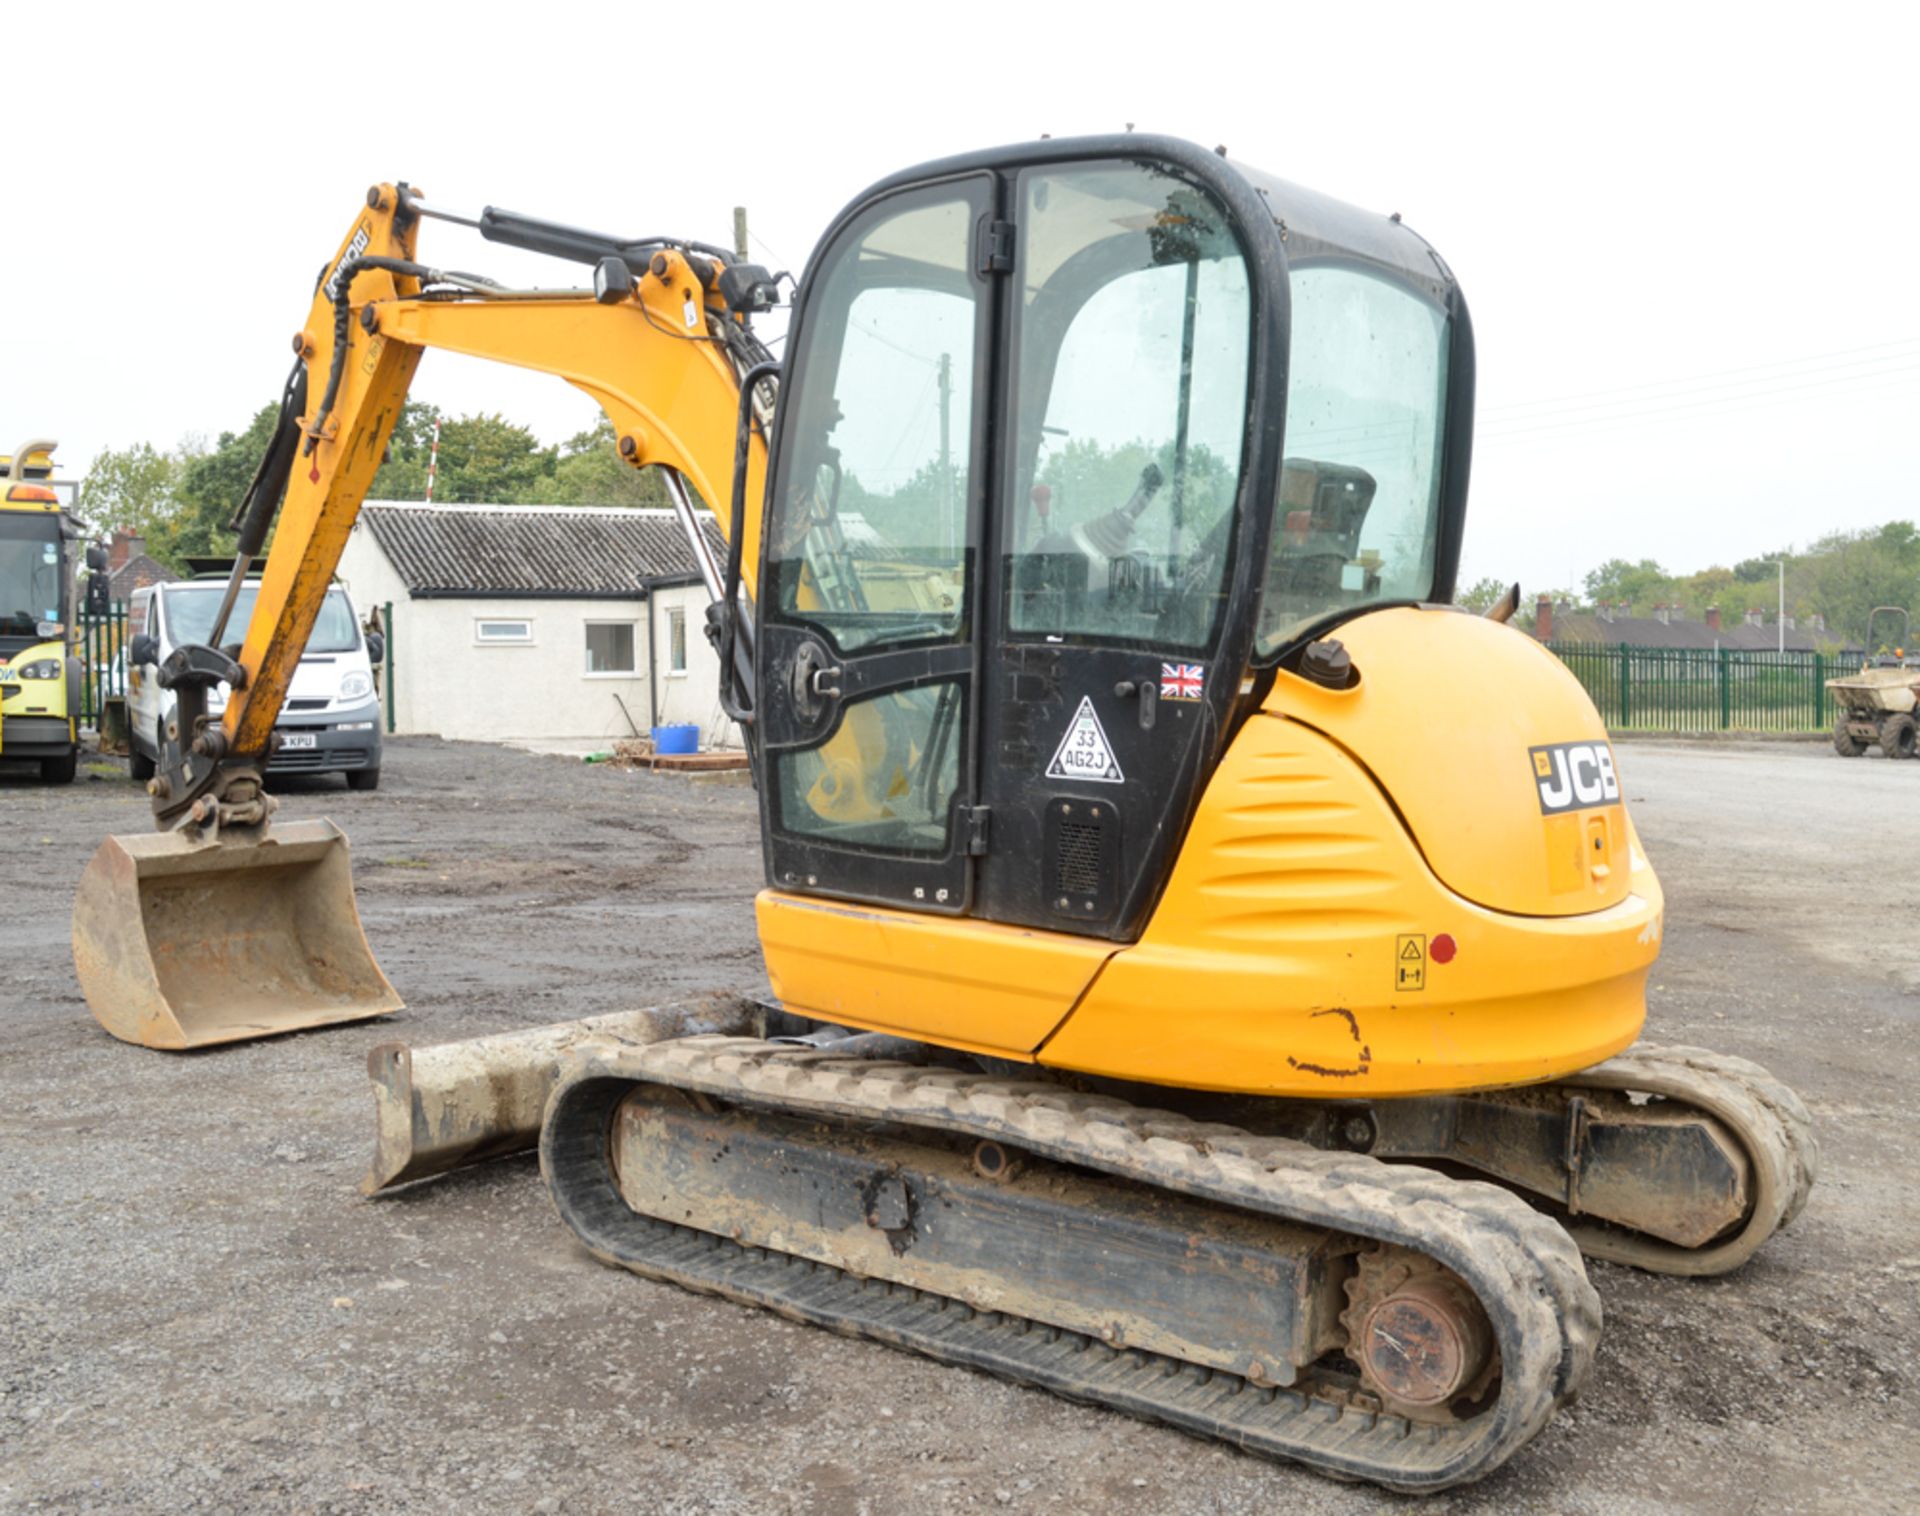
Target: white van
[[330, 723]]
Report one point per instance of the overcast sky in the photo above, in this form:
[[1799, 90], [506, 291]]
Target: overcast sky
[[1687, 234]]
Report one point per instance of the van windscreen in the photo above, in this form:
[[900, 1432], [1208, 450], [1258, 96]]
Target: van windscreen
[[192, 607]]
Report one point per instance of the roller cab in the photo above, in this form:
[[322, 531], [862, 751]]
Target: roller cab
[[1111, 712]]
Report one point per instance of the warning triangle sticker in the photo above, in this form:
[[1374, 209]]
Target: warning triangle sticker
[[1084, 752], [1410, 948]]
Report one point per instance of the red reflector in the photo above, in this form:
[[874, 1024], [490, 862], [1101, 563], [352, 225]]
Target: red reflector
[[1442, 948]]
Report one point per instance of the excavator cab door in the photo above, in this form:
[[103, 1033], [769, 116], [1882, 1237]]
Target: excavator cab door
[[866, 678], [1123, 532], [1005, 597]]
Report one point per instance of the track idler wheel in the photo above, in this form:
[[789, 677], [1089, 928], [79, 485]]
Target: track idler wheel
[[1421, 1341]]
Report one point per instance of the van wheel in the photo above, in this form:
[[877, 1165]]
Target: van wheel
[[139, 765], [363, 779], [60, 770]]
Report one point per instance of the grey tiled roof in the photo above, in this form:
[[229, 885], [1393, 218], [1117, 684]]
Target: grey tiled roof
[[137, 573], [531, 550], [1650, 631]]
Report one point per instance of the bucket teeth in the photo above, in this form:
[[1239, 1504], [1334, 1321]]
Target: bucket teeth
[[180, 943]]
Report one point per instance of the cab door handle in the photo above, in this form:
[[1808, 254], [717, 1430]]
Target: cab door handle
[[1149, 694]]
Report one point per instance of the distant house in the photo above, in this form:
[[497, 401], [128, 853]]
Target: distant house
[[1669, 626], [538, 623], [129, 568]]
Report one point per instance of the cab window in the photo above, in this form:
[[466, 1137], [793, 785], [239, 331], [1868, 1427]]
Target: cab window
[[1358, 518], [870, 531], [1130, 393]]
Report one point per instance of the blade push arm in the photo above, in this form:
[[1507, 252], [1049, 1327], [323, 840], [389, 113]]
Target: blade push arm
[[644, 349]]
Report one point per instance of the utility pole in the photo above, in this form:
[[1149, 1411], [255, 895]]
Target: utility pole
[[740, 233], [1780, 616], [946, 452], [1177, 523], [433, 459]]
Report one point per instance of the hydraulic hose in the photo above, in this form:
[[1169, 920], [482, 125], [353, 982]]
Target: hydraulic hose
[[343, 278], [254, 517], [740, 710]]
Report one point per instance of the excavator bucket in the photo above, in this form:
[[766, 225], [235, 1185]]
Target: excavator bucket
[[184, 944]]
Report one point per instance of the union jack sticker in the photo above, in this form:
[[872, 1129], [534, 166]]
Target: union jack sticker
[[1182, 681]]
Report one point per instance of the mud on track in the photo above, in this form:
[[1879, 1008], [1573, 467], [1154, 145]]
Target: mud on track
[[198, 1312]]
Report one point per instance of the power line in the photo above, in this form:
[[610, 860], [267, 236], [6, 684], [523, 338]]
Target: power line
[[1722, 379], [1692, 409]]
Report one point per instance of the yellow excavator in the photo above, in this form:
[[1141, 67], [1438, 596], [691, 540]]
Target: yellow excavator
[[1204, 961]]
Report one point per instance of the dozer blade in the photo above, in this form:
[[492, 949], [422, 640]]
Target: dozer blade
[[186, 944], [441, 1108]]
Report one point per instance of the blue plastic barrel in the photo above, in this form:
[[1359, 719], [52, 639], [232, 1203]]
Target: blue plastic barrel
[[676, 739]]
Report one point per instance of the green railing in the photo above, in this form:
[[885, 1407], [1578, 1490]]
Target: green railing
[[103, 671], [1666, 689]]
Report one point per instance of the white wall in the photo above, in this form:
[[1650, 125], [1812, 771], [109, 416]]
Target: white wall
[[693, 696], [447, 683]]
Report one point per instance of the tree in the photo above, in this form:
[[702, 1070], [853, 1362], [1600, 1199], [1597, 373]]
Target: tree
[[403, 473], [1638, 584], [1846, 574], [210, 489], [131, 487], [1089, 481], [1483, 595], [590, 471], [488, 460], [1760, 570]]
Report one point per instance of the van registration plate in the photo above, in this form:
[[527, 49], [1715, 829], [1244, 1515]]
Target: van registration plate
[[294, 742]]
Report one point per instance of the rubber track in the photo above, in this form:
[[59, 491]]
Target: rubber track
[[1766, 1118], [1522, 1265]]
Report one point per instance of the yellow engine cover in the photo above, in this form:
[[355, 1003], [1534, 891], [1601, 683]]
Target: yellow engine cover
[[1475, 731], [1385, 891]]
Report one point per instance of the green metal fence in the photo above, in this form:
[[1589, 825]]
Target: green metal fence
[[103, 671], [1666, 689]]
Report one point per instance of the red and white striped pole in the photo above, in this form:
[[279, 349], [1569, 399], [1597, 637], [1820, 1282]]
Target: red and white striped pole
[[433, 459]]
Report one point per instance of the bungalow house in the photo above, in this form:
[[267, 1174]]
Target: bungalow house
[[537, 623], [1669, 626]]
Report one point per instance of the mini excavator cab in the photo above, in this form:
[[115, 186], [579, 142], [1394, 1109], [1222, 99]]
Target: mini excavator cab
[[1070, 449]]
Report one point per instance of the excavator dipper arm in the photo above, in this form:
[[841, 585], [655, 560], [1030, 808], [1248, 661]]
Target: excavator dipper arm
[[216, 928]]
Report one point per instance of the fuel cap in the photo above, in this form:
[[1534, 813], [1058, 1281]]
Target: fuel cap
[[1327, 663]]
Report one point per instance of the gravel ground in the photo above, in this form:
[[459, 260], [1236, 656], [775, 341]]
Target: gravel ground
[[199, 1313]]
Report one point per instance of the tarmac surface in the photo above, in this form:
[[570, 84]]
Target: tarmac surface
[[198, 1312]]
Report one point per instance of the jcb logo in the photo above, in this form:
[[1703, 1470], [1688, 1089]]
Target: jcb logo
[[362, 236], [1571, 776]]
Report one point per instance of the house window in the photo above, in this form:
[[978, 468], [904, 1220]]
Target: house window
[[676, 642], [502, 630], [610, 647]]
